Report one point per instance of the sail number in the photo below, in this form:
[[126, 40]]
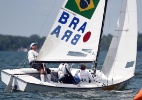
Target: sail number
[[74, 29]]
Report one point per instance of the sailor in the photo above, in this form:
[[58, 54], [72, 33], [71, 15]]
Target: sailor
[[84, 75], [61, 71], [32, 55], [64, 73]]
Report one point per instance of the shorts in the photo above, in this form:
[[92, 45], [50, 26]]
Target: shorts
[[37, 66]]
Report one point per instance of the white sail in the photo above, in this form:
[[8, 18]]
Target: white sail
[[120, 61], [76, 32]]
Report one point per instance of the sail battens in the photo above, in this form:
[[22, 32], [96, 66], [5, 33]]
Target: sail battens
[[128, 11], [130, 64], [87, 50], [122, 30], [76, 54]]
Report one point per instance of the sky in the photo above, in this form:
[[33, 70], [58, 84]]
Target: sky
[[27, 17]]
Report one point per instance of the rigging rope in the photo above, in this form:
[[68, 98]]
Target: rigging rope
[[23, 62], [47, 16]]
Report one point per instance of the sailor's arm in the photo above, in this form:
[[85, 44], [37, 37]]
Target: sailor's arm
[[76, 73]]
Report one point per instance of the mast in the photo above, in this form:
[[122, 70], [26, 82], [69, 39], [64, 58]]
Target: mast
[[104, 16]]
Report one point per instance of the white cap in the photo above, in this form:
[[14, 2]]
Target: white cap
[[32, 44]]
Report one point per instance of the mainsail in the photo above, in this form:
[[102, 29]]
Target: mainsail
[[76, 32], [120, 61]]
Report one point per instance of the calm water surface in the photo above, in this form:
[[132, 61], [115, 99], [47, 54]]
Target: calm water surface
[[13, 60]]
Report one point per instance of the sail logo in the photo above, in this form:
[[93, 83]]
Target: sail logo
[[74, 29], [84, 8]]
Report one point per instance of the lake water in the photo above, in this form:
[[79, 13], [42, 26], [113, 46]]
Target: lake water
[[13, 59]]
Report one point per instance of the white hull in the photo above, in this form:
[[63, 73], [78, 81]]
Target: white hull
[[27, 79]]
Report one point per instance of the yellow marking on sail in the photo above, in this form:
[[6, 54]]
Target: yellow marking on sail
[[90, 6]]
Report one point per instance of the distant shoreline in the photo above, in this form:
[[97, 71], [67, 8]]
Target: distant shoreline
[[21, 43]]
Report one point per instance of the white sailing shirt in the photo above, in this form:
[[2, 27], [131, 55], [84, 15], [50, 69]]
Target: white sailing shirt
[[32, 55], [85, 76], [62, 70]]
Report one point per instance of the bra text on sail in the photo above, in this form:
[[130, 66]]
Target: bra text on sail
[[73, 32]]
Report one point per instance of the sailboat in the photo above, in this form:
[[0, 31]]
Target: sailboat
[[75, 37]]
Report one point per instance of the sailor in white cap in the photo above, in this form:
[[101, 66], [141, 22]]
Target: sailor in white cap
[[32, 55]]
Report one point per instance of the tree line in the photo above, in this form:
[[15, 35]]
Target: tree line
[[14, 43]]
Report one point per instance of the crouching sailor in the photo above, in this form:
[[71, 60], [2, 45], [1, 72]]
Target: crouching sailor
[[64, 74], [32, 55]]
